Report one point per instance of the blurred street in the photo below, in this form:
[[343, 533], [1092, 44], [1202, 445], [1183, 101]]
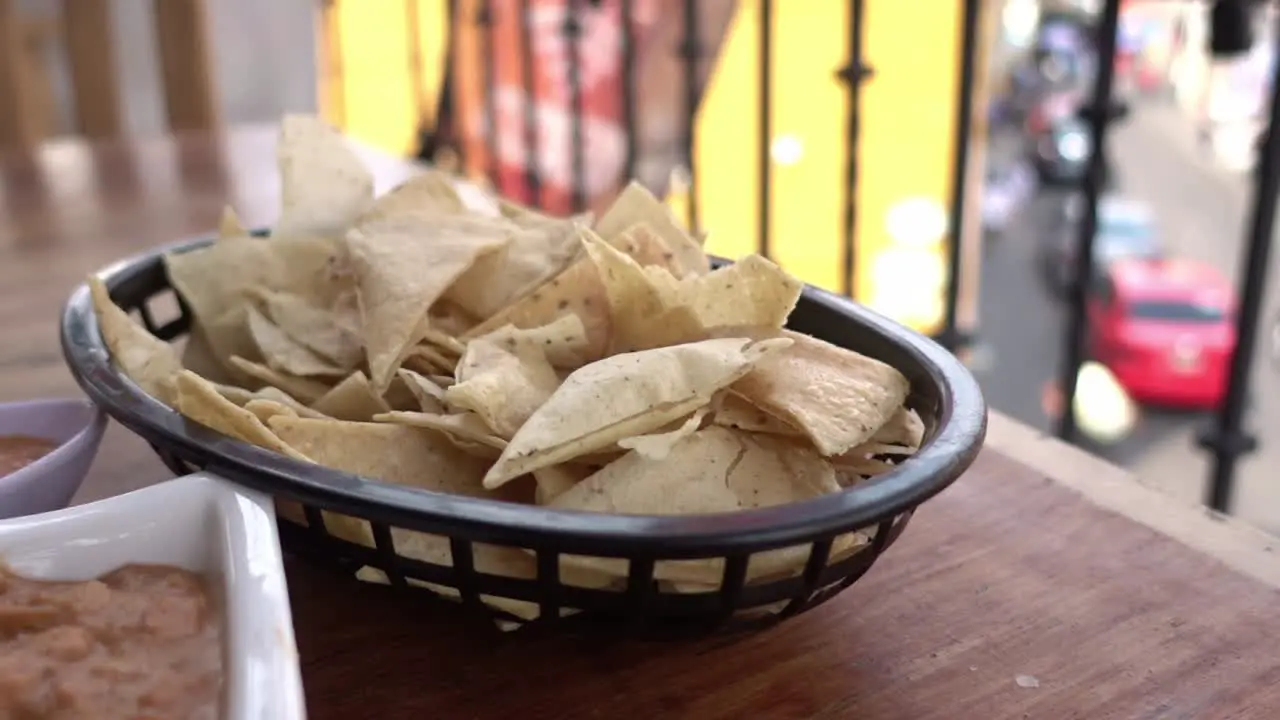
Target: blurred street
[[1200, 209]]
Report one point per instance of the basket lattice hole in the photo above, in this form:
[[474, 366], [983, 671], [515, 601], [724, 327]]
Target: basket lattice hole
[[162, 314]]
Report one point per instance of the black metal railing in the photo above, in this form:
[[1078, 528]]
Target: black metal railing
[[1227, 440]]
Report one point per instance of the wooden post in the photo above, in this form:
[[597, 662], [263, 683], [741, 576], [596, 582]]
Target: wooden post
[[182, 38], [18, 120], [90, 48], [967, 311]]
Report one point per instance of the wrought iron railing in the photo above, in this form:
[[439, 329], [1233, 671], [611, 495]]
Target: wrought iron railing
[[1227, 439]]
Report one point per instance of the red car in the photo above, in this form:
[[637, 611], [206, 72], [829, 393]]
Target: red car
[[1165, 328]]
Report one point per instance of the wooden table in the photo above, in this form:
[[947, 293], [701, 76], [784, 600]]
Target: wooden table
[[1041, 562]]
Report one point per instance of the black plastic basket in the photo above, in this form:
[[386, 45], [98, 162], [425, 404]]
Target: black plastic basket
[[943, 393]]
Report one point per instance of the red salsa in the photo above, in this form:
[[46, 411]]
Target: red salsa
[[19, 451]]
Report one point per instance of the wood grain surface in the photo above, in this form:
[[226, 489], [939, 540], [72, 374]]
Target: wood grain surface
[[1009, 573]]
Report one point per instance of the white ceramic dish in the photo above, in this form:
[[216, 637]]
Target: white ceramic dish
[[203, 524]]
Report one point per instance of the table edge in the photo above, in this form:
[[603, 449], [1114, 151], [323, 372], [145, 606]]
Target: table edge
[[1237, 544]]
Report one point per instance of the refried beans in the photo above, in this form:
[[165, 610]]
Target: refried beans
[[142, 642]]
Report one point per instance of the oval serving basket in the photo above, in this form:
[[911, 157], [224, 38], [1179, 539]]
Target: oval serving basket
[[871, 514]]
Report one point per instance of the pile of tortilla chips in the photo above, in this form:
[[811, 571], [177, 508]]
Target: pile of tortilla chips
[[462, 344]]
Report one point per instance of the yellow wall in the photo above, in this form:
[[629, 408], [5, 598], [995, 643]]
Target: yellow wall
[[379, 103], [905, 151]]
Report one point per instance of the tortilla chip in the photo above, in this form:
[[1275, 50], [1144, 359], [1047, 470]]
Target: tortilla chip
[[237, 395], [280, 397], [444, 342], [429, 360], [353, 399], [229, 224], [198, 400], [451, 320], [563, 341], [199, 358], [306, 390], [623, 396], [554, 481], [334, 334], [505, 377], [283, 353], [637, 205], [836, 397], [265, 410], [656, 446], [716, 470], [732, 410], [397, 454], [218, 281], [576, 291], [647, 248], [463, 426], [324, 185], [430, 191], [403, 265], [645, 308], [146, 359], [430, 396], [752, 292], [904, 428], [535, 255]]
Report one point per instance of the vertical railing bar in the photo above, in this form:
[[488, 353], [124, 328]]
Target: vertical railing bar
[[532, 166], [572, 31], [960, 170], [1099, 118], [692, 51], [489, 58], [1227, 440], [765, 113], [852, 75], [629, 89]]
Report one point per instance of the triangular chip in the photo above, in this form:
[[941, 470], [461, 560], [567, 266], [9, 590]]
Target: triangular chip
[[217, 281], [265, 409], [645, 308], [752, 292], [428, 395], [637, 205], [463, 426], [554, 481], [324, 186], [622, 396], [505, 377], [734, 411], [306, 390], [199, 358], [715, 470], [430, 191], [657, 446], [576, 291], [535, 255], [353, 399], [333, 334], [836, 397], [396, 454], [284, 354], [403, 264], [198, 400], [146, 359]]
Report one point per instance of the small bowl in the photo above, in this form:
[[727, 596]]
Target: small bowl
[[48, 483], [199, 523]]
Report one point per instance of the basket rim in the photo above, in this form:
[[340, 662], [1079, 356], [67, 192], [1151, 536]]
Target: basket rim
[[961, 429]]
